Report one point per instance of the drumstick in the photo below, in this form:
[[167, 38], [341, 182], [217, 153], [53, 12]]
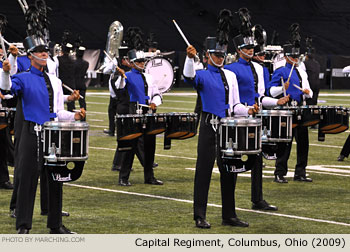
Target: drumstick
[[109, 57], [283, 87], [181, 33], [143, 105], [71, 90], [295, 85], [162, 80], [184, 37], [291, 71]]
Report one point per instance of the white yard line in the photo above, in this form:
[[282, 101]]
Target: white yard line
[[209, 204]]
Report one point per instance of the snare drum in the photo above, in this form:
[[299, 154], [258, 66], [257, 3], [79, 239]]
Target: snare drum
[[3, 118], [129, 126], [276, 125], [180, 125], [332, 118], [155, 123], [162, 72], [65, 141], [239, 136]]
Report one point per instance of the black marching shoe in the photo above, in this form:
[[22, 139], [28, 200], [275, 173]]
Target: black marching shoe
[[341, 157], [64, 214], [108, 132], [155, 165], [263, 205], [302, 179], [13, 213], [280, 179], [202, 223], [234, 222], [154, 181], [23, 230], [6, 185], [61, 230], [124, 182]]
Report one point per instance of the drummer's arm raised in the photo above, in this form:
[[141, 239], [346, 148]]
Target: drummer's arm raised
[[5, 80]]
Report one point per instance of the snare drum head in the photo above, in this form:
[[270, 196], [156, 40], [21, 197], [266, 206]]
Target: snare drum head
[[162, 72]]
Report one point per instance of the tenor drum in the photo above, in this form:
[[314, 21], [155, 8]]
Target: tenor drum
[[129, 126], [332, 118], [181, 125], [276, 125], [65, 141], [162, 72], [303, 115], [342, 121], [155, 123], [3, 118], [239, 136]]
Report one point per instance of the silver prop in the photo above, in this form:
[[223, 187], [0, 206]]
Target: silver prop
[[24, 5], [3, 46]]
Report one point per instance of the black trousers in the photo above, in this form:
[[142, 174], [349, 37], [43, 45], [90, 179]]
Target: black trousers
[[26, 173], [82, 102], [206, 155], [145, 146], [256, 180], [346, 148], [301, 135], [112, 111], [4, 173]]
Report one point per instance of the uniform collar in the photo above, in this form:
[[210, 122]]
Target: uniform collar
[[243, 61], [213, 68], [135, 71], [36, 71]]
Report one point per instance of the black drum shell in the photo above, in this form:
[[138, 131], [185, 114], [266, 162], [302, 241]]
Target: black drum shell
[[178, 125], [3, 118], [129, 126], [155, 123]]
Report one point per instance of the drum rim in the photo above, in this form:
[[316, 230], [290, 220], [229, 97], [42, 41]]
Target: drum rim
[[240, 121], [72, 125], [274, 112]]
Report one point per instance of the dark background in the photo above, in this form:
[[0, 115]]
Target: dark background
[[328, 22]]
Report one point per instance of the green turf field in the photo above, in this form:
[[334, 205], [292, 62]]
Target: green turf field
[[99, 206]]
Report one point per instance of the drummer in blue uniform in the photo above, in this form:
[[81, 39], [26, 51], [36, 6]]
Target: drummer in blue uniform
[[220, 98], [250, 78], [40, 99], [298, 88], [141, 90]]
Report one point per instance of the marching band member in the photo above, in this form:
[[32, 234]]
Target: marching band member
[[40, 99], [220, 98], [250, 78], [141, 90], [296, 85]]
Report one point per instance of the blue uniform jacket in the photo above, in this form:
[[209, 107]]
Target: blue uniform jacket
[[283, 72], [31, 88], [211, 89]]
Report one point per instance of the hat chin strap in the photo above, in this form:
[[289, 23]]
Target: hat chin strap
[[292, 60], [212, 61], [139, 68], [246, 54], [36, 57]]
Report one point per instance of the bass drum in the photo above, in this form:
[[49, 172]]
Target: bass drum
[[162, 72]]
